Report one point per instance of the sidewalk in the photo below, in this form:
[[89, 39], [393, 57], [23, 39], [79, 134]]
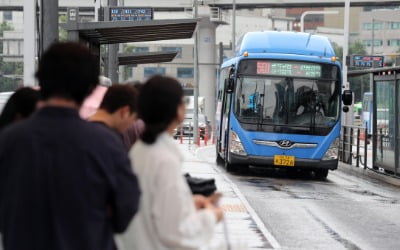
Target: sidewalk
[[245, 229]]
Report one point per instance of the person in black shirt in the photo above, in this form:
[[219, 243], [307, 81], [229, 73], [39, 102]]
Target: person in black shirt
[[118, 109], [65, 183]]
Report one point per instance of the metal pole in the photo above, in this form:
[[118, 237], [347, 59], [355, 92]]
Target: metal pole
[[371, 75], [196, 76], [348, 117], [234, 27], [112, 54], [49, 24], [97, 6], [373, 37], [29, 42]]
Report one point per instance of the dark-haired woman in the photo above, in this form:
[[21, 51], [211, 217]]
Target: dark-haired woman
[[19, 106], [169, 217]]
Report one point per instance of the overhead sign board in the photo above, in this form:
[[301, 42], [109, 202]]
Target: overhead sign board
[[131, 14], [367, 61]]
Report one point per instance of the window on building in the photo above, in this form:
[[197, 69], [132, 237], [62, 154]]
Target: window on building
[[367, 43], [394, 25], [377, 26], [393, 42], [141, 49], [377, 43], [367, 26], [173, 49], [150, 71], [7, 15], [185, 72]]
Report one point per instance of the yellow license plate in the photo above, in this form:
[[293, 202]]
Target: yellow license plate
[[284, 160]]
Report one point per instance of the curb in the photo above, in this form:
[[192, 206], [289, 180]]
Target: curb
[[261, 226], [363, 173]]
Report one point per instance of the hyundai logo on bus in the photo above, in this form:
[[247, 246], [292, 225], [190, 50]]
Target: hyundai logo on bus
[[285, 143]]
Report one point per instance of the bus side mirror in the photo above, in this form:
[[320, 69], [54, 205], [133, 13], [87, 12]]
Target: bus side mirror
[[347, 97], [229, 83]]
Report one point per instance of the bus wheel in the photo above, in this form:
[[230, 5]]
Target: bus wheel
[[321, 173], [230, 167]]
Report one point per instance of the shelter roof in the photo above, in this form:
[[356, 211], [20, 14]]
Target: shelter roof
[[133, 31], [145, 57]]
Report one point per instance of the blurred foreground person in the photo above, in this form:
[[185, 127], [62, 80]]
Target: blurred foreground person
[[169, 217], [137, 127], [19, 106], [118, 109], [65, 183]]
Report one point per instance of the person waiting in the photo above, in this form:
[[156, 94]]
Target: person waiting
[[169, 217]]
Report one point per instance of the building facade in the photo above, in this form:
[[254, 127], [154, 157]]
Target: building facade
[[380, 31]]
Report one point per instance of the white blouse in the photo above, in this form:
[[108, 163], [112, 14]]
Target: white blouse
[[167, 217]]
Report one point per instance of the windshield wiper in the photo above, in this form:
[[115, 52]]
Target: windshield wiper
[[260, 106]]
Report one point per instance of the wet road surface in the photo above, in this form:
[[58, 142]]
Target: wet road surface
[[341, 212]]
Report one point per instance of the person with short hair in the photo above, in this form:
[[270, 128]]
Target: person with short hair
[[65, 183], [118, 109]]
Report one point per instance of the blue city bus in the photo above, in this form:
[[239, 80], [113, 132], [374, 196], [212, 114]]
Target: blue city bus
[[278, 103]]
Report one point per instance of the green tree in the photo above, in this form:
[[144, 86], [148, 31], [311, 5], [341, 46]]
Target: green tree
[[62, 33]]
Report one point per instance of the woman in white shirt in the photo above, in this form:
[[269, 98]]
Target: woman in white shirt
[[169, 216]]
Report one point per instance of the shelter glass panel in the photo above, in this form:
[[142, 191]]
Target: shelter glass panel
[[385, 122]]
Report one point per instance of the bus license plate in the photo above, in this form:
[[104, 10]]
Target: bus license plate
[[284, 160]]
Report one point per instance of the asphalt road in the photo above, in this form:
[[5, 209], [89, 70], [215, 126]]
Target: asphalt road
[[341, 212]]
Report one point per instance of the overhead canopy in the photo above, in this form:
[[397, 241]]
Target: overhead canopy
[[145, 57], [133, 31]]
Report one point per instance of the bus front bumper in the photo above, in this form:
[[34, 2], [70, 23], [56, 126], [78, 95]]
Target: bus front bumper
[[268, 162]]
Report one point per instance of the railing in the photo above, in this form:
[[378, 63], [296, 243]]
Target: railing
[[354, 146], [356, 149]]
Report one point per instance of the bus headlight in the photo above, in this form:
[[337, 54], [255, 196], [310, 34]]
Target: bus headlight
[[333, 151], [235, 145]]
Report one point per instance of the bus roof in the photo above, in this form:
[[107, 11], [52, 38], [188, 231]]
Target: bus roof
[[283, 42]]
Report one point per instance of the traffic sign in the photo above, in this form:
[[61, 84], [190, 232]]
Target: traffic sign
[[364, 61]]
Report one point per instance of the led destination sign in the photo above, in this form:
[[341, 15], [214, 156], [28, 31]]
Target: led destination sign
[[131, 14], [298, 69]]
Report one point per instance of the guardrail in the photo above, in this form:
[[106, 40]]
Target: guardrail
[[354, 145], [356, 149]]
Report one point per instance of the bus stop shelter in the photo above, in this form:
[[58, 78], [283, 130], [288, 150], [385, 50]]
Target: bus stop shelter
[[95, 34], [385, 118]]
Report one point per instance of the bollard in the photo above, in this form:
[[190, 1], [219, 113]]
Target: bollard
[[198, 137], [181, 137], [213, 135], [205, 136]]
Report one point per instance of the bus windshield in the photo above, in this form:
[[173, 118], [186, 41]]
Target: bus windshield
[[287, 104]]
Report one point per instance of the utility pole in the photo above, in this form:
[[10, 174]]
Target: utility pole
[[29, 42], [112, 53], [348, 117], [371, 75], [373, 36], [196, 77], [48, 24], [234, 27]]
